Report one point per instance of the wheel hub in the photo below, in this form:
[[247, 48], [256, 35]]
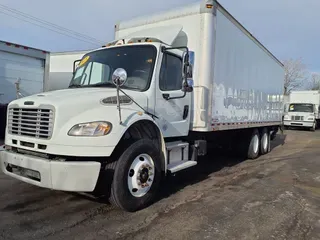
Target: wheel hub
[[141, 175], [144, 175]]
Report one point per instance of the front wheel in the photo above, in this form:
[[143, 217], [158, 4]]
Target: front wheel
[[313, 128], [137, 176]]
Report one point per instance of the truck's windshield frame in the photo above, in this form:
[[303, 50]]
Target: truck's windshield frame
[[96, 68], [301, 107]]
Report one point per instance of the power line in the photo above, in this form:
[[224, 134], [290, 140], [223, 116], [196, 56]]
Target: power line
[[44, 22], [49, 28], [15, 11]]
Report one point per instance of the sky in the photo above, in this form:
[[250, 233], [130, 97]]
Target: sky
[[288, 28]]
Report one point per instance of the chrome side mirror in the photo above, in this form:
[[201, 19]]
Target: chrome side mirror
[[119, 77], [187, 71]]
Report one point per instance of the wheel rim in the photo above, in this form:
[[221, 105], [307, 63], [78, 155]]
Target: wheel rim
[[265, 141], [255, 143], [141, 175]]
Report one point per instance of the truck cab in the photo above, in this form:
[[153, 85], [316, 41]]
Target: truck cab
[[302, 115], [124, 99]]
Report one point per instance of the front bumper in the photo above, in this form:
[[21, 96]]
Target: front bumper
[[82, 146], [64, 176], [290, 123]]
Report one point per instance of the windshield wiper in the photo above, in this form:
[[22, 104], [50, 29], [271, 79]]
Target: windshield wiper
[[75, 85], [102, 84]]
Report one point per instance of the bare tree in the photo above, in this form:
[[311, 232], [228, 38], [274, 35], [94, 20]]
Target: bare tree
[[315, 81], [296, 74]]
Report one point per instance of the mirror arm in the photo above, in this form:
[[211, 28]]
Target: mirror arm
[[74, 65], [164, 48], [138, 104], [170, 98]]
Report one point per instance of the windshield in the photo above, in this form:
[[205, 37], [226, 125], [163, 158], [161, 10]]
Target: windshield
[[301, 107], [96, 68]]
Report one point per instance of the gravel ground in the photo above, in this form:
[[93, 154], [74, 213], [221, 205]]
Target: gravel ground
[[274, 197]]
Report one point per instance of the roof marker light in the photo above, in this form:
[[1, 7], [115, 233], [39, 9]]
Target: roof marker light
[[209, 6]]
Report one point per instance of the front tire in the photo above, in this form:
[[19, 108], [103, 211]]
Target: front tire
[[313, 128], [137, 176]]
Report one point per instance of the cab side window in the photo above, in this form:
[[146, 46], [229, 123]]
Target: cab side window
[[170, 73]]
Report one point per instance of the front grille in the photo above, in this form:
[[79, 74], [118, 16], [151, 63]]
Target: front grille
[[31, 122], [297, 118]]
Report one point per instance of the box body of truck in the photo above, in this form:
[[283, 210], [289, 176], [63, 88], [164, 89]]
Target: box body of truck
[[28, 67], [238, 83], [61, 69], [146, 104], [303, 110]]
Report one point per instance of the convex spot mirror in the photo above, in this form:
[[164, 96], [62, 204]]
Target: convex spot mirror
[[119, 77]]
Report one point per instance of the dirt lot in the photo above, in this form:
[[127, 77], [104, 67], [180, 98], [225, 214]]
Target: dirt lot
[[274, 197]]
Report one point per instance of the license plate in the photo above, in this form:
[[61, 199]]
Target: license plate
[[27, 172], [32, 173]]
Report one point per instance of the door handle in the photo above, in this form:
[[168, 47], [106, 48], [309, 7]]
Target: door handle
[[166, 96], [185, 111]]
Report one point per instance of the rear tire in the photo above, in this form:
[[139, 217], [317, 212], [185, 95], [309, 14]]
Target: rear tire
[[137, 176], [254, 145], [265, 141]]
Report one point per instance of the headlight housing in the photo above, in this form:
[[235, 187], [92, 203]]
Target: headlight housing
[[91, 129], [286, 117], [311, 117]]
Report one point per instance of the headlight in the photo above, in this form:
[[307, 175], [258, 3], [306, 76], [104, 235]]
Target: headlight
[[91, 129], [310, 118], [286, 117]]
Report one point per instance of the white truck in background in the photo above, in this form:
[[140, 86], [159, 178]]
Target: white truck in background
[[147, 105], [62, 66], [303, 110], [24, 71]]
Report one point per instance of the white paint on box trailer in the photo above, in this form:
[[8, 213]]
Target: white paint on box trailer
[[305, 97], [30, 71], [167, 34], [247, 81]]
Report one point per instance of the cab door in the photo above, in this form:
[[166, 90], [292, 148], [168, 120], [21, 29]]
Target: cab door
[[173, 114]]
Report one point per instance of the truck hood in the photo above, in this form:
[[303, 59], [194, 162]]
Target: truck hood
[[76, 95], [70, 103], [81, 105]]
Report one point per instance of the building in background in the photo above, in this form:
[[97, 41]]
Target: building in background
[[61, 68], [23, 68]]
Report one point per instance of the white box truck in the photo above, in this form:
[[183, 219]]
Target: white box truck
[[24, 71], [302, 111], [146, 105], [62, 66]]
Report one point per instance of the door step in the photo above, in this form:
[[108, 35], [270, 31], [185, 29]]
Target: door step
[[177, 151], [178, 166]]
